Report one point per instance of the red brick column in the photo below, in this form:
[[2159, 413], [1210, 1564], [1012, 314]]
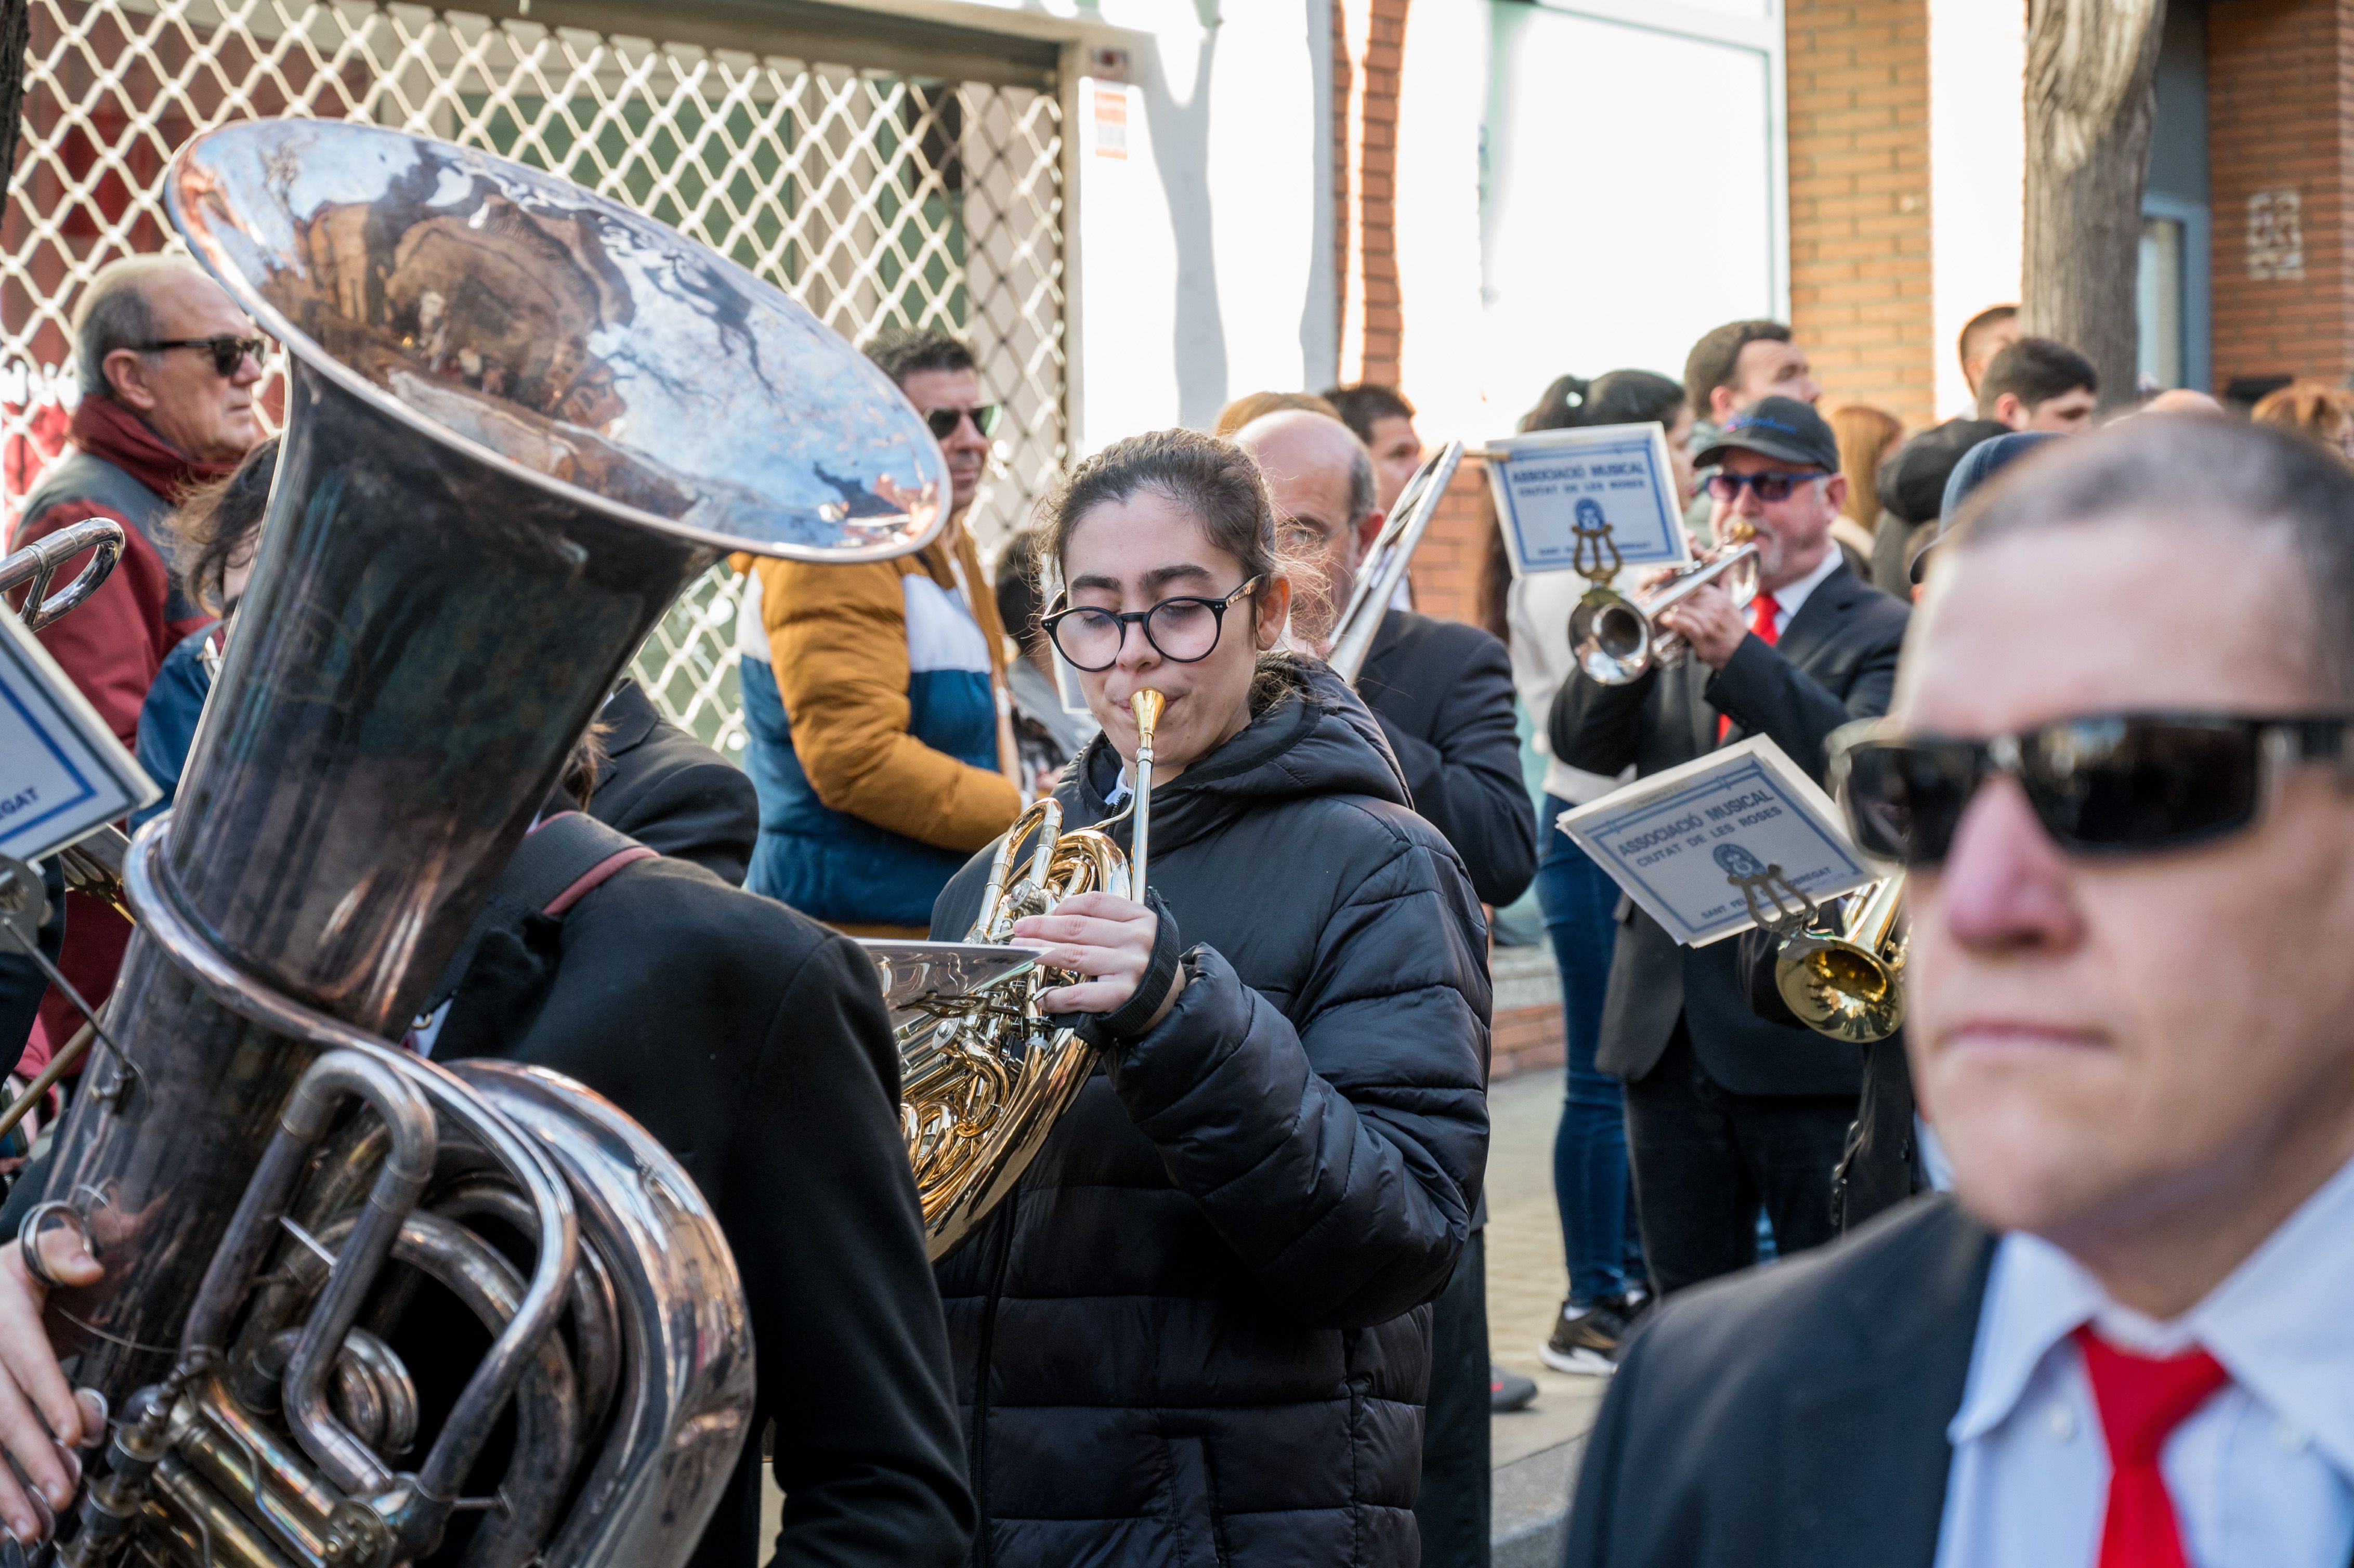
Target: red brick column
[[1861, 296], [1365, 183], [2280, 130]]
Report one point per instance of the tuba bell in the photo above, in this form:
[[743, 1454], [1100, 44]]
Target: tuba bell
[[1849, 984], [520, 419], [984, 1075]]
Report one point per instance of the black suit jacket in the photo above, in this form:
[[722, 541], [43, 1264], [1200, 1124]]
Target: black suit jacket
[[752, 1042], [672, 793], [1442, 692], [1837, 660], [1793, 1417]]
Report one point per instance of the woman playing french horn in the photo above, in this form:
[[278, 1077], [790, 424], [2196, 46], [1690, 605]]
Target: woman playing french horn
[[1195, 1330]]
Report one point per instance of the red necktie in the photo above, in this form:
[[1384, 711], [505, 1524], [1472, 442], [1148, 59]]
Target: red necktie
[[1763, 613], [2141, 1402]]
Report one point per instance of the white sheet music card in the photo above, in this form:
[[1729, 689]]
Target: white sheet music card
[[62, 772], [1719, 844], [1550, 484]]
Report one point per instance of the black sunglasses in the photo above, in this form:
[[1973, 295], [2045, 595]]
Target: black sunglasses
[[228, 353], [944, 421], [1770, 487], [2109, 784], [1182, 630]]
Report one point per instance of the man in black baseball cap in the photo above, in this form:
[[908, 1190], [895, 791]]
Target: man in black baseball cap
[[1725, 1111]]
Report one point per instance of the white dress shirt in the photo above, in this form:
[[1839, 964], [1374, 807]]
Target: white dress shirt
[[1792, 598], [2261, 1475]]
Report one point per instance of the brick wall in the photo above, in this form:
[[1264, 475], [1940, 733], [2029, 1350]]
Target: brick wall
[[2280, 118], [1859, 275], [1368, 46]]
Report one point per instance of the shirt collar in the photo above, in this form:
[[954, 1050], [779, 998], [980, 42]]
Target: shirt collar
[[2276, 1323], [1793, 597]]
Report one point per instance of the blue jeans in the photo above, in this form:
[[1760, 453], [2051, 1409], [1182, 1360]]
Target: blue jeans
[[1590, 1182]]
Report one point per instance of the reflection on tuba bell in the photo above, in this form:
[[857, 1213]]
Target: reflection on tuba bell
[[1850, 986], [521, 420], [984, 1075], [1616, 638]]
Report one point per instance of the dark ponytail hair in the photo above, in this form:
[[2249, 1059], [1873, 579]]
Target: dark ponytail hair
[[220, 526]]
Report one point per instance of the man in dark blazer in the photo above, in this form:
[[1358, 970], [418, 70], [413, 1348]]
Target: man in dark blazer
[[2123, 1340], [670, 791], [1442, 692], [1725, 1110]]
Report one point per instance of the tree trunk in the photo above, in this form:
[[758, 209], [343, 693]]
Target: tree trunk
[[15, 36], [2090, 103]]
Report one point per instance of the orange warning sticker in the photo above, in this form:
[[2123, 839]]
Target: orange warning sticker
[[1111, 121]]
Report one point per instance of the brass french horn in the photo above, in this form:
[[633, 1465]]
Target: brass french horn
[[984, 1075]]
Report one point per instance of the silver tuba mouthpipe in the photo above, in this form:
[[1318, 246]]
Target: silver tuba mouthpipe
[[1616, 638]]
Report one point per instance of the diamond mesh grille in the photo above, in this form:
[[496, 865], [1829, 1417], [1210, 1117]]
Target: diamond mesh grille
[[874, 199]]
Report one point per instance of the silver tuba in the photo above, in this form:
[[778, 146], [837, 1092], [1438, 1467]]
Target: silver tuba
[[520, 419], [32, 567]]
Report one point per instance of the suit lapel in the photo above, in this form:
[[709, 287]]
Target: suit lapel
[[1865, 1452], [1820, 616]]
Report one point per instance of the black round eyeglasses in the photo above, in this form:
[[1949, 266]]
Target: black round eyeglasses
[[1182, 630]]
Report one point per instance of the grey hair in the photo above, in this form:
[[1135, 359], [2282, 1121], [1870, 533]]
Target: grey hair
[[1361, 493], [114, 313], [2220, 474]]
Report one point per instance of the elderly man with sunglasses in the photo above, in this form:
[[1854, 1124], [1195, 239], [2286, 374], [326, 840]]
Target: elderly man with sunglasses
[[1725, 1111], [167, 365], [875, 697], [2119, 775]]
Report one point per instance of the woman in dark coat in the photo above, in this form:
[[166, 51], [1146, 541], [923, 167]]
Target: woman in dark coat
[[1196, 1332]]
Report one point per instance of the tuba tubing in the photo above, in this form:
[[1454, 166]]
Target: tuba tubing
[[32, 567]]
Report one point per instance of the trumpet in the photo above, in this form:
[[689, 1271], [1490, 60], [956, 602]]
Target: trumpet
[[985, 1074], [1616, 639], [1849, 985]]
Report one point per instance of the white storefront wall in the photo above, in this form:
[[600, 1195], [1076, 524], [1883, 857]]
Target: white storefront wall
[[1581, 184], [1201, 240]]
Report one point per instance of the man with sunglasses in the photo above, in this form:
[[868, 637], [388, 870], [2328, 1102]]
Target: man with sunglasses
[[167, 365], [2125, 1338], [1726, 1111], [875, 694]]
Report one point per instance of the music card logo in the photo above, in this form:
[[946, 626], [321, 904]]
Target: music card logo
[[1762, 888]]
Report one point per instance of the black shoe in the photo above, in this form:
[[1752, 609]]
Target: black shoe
[[1585, 1340], [1508, 1389]]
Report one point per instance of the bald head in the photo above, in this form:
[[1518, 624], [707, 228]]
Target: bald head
[[1321, 478], [132, 306], [2182, 400]]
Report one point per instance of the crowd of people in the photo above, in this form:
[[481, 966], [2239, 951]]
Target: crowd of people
[[1235, 1310]]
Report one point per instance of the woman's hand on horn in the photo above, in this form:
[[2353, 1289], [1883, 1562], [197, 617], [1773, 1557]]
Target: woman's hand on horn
[[1107, 938], [42, 1420]]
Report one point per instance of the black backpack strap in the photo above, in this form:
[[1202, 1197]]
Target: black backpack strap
[[83, 476], [556, 863]]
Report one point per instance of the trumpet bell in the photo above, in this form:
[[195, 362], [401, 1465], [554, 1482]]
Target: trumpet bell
[[1616, 640], [1849, 985], [1611, 637]]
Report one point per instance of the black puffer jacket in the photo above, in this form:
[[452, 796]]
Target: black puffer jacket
[[1195, 1334]]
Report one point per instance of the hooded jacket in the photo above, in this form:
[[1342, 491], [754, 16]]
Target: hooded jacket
[[1194, 1333]]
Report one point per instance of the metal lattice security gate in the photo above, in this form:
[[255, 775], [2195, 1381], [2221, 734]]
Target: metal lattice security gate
[[928, 195]]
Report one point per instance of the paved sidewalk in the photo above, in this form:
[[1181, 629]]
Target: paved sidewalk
[[1535, 1450]]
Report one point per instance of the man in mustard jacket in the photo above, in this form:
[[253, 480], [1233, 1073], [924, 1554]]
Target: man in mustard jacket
[[875, 693]]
